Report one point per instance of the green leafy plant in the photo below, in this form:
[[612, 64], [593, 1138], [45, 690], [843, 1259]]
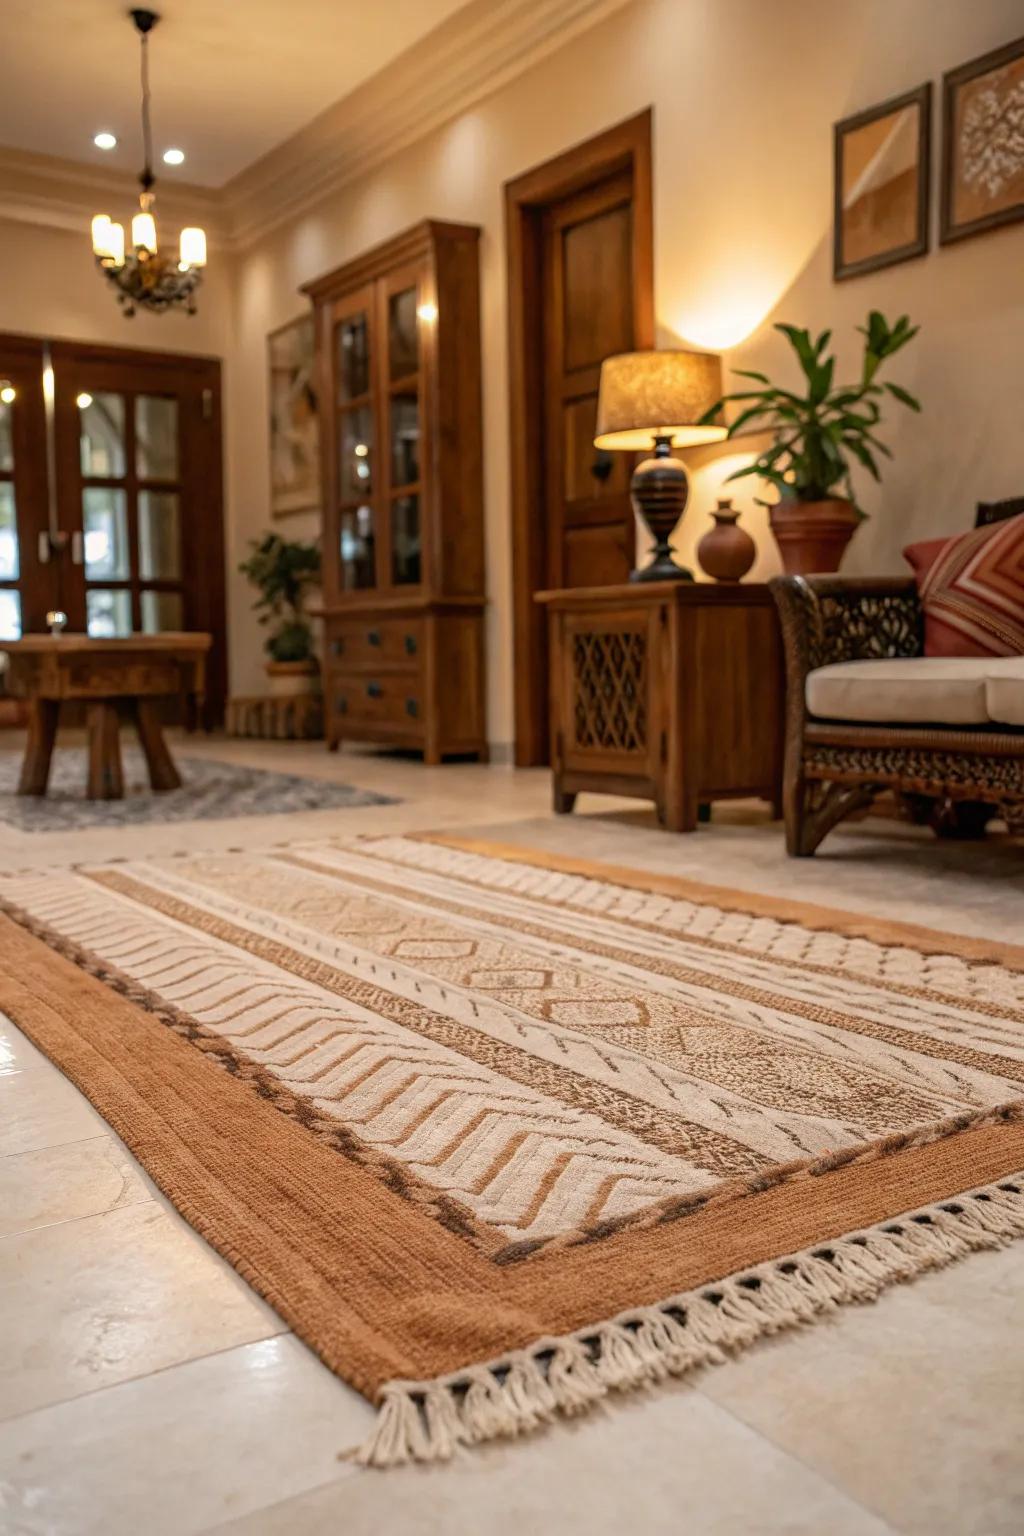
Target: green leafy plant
[[818, 433], [283, 570]]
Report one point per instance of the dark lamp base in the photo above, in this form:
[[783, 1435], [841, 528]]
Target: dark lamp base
[[660, 490]]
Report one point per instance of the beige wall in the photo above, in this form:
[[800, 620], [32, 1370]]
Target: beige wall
[[744, 94]]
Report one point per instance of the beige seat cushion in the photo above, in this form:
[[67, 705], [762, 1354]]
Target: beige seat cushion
[[1004, 689], [945, 690]]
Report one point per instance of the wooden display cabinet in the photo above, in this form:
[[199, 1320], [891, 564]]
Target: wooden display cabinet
[[398, 348]]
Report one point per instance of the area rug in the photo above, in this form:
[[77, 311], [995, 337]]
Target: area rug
[[499, 1134], [210, 791]]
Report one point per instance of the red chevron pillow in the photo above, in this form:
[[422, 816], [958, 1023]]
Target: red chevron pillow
[[972, 591]]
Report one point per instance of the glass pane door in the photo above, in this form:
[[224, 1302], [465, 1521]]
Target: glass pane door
[[403, 407], [131, 554], [27, 580], [355, 439]]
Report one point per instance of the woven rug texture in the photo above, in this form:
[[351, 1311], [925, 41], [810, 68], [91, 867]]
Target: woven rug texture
[[209, 791], [500, 1133]]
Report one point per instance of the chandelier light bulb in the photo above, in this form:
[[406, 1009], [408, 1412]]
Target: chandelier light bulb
[[105, 140], [144, 232], [174, 157], [192, 247]]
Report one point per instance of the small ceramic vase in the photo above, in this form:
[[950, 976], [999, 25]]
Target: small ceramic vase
[[726, 552]]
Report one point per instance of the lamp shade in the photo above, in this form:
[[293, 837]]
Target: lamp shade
[[645, 395]]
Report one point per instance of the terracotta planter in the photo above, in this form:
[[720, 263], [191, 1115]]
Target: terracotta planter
[[291, 679], [812, 535], [726, 551]]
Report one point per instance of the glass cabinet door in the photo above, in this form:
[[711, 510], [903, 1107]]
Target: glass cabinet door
[[355, 439], [403, 412]]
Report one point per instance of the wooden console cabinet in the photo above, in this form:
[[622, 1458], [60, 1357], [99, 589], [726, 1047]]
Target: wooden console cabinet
[[398, 347], [669, 691]]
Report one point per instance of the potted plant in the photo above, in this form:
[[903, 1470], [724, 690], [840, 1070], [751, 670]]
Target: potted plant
[[283, 570], [817, 433]]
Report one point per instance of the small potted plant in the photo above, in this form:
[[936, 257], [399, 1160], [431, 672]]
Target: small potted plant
[[283, 570], [817, 434]]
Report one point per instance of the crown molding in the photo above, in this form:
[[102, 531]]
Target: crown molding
[[468, 57], [64, 194], [474, 53]]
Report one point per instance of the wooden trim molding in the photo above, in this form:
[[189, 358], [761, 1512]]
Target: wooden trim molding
[[627, 146]]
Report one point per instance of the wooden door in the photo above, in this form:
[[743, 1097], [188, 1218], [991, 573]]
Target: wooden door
[[580, 287], [588, 315], [139, 496], [28, 576]]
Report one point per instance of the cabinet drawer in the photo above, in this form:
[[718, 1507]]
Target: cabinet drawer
[[374, 643], [393, 699]]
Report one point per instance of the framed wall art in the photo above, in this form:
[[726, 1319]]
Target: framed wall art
[[881, 175], [983, 144], [294, 438]]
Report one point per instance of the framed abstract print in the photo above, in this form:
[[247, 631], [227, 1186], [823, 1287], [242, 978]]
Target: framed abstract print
[[983, 144], [294, 440], [881, 173]]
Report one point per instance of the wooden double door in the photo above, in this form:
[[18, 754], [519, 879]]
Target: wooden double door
[[111, 494]]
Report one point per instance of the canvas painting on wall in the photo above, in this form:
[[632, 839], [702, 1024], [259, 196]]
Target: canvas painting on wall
[[294, 446], [983, 143], [881, 177]]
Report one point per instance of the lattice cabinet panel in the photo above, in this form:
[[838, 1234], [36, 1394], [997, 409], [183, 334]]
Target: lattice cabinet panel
[[610, 690]]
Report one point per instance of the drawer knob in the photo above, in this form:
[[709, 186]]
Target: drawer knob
[[412, 707], [410, 645], [341, 705], [374, 690], [373, 638]]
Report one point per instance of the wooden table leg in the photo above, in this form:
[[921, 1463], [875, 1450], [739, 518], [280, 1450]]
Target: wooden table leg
[[162, 772], [106, 781], [42, 732]]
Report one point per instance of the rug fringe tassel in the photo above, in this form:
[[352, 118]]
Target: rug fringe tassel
[[428, 1420]]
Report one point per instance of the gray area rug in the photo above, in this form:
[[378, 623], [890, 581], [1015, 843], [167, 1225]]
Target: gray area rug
[[210, 792]]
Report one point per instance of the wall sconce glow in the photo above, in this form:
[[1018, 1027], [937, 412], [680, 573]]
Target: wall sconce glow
[[84, 400], [174, 157], [8, 393], [105, 141], [427, 312]]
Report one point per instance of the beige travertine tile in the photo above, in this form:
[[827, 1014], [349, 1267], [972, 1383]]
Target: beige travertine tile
[[661, 1466], [182, 1450], [16, 1050], [913, 1406], [106, 1298], [40, 1108], [80, 1178]]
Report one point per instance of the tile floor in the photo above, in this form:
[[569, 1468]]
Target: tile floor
[[144, 1388]]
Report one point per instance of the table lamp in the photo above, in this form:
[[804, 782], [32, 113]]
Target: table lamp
[[655, 400]]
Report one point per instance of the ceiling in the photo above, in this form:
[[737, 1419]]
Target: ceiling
[[230, 78]]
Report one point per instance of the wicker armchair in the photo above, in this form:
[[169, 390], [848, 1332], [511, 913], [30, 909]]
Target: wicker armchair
[[955, 777]]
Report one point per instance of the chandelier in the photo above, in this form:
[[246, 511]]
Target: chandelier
[[144, 276]]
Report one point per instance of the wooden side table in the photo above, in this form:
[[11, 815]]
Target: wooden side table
[[130, 673], [670, 691]]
